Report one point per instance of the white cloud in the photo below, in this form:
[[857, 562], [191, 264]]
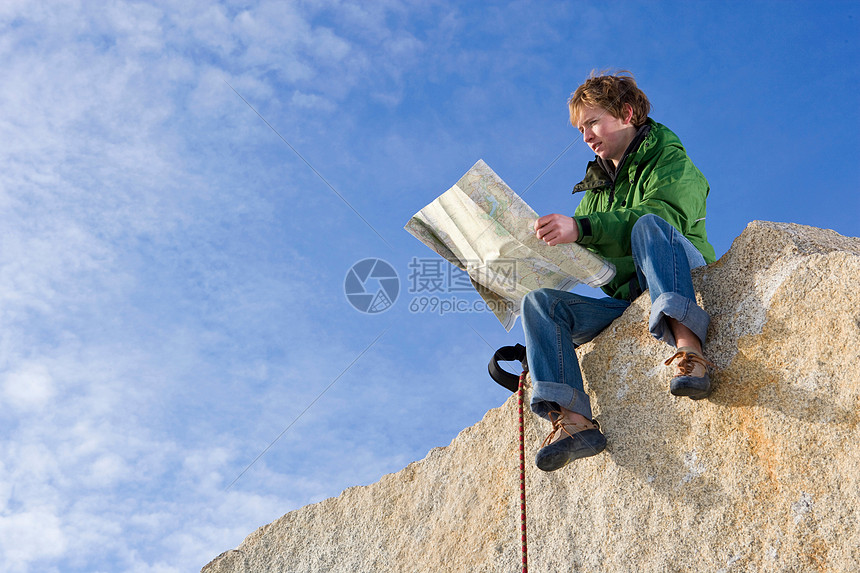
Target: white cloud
[[30, 387], [160, 326], [311, 101], [31, 535]]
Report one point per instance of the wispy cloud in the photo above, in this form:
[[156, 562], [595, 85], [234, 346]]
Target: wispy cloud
[[138, 281]]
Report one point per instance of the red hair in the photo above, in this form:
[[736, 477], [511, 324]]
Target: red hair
[[611, 92]]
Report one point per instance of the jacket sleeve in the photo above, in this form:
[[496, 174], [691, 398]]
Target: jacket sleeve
[[672, 189]]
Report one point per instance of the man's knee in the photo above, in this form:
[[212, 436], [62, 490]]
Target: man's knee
[[648, 224], [538, 299], [647, 229]]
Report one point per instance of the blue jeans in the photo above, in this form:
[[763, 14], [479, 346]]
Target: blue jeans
[[556, 322]]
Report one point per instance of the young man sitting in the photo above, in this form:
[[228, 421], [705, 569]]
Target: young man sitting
[[644, 210]]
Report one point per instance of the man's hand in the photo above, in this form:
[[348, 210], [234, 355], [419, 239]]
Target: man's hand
[[556, 229]]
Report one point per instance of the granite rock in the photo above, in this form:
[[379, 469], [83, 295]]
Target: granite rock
[[762, 476]]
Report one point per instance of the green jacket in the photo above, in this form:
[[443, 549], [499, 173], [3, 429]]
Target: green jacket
[[654, 177]]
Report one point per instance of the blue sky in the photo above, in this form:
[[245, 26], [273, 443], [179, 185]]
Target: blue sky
[[172, 273]]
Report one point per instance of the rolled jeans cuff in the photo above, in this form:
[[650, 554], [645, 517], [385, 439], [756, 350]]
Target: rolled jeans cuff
[[682, 309], [547, 395]]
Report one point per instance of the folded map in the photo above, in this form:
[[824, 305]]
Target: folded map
[[481, 226]]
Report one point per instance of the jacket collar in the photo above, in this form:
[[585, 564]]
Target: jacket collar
[[601, 173]]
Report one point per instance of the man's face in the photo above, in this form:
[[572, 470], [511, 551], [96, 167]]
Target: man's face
[[604, 133]]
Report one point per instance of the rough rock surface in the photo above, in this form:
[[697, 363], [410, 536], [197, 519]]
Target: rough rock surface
[[762, 476]]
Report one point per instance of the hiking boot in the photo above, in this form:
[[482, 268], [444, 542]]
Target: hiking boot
[[691, 374], [581, 441]]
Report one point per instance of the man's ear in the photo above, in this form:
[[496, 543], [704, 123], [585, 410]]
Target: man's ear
[[628, 113]]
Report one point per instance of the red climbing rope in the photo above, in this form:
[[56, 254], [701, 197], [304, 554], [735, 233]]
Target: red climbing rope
[[522, 474]]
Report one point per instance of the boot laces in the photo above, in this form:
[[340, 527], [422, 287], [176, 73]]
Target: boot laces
[[559, 424], [688, 361]]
